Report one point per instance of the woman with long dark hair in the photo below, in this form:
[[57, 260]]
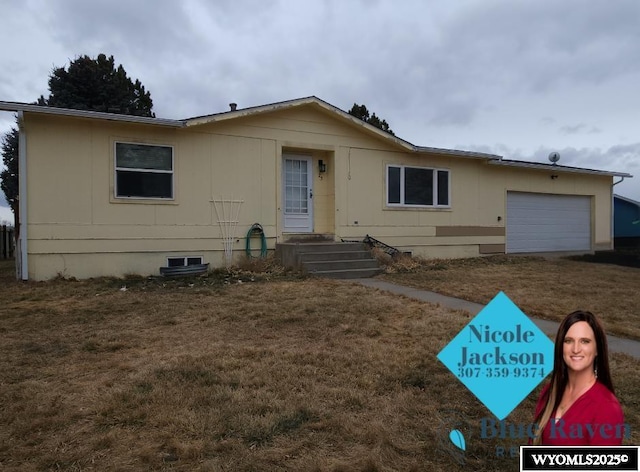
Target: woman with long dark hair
[[579, 407]]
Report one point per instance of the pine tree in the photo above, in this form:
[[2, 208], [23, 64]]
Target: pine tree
[[360, 111], [88, 84], [97, 85]]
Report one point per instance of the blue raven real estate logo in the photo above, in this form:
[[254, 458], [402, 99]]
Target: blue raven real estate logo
[[500, 356], [453, 432]]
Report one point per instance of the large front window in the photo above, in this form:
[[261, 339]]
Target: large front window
[[417, 186], [143, 171]]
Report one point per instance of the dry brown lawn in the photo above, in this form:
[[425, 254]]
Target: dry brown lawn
[[210, 374], [544, 288]]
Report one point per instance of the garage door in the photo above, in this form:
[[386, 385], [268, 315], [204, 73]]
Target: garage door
[[544, 223]]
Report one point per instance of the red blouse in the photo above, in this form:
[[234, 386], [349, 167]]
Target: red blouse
[[594, 419]]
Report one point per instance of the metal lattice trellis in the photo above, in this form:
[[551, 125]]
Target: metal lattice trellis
[[228, 212]]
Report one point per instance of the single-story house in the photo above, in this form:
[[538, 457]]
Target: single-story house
[[626, 222], [108, 195]]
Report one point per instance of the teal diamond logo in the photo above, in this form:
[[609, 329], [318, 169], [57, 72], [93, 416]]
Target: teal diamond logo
[[500, 356]]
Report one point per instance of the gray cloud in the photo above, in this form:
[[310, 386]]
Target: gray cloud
[[575, 129], [543, 44]]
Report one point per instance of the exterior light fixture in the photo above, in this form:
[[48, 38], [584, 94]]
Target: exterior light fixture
[[322, 167]]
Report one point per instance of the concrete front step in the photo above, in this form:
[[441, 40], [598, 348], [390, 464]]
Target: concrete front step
[[329, 259], [324, 266], [333, 256], [328, 247], [347, 273]]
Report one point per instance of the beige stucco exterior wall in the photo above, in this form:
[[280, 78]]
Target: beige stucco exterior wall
[[76, 227]]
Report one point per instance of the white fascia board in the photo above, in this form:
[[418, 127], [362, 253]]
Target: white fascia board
[[229, 115], [96, 115], [557, 168], [366, 126], [459, 153]]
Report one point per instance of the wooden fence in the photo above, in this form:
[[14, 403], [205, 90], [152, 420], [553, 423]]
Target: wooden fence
[[7, 242]]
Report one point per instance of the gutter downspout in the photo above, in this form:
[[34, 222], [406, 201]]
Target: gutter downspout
[[613, 211], [23, 264]]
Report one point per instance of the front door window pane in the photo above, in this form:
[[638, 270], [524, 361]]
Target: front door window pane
[[296, 186]]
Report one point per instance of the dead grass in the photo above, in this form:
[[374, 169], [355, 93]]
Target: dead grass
[[544, 288], [210, 374]]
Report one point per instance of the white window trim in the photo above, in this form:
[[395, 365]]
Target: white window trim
[[435, 170], [149, 171]]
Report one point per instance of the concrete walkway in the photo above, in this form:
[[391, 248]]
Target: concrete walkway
[[616, 344]]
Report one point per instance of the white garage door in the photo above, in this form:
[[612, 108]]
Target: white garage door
[[544, 223]]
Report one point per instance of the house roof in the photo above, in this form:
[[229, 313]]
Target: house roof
[[244, 112], [306, 101], [31, 108], [556, 167], [625, 199]]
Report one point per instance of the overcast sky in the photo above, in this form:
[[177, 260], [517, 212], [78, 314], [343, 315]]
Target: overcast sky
[[514, 78]]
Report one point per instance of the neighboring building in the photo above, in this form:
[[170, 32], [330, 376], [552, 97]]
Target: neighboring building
[[626, 222], [105, 194]]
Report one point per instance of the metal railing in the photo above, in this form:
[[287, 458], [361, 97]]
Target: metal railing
[[373, 242]]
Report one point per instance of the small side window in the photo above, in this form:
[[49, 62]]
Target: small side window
[[393, 184], [183, 261], [143, 171]]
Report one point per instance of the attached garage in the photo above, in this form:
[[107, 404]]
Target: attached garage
[[545, 222]]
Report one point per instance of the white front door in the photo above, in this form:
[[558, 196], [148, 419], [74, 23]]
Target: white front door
[[298, 207]]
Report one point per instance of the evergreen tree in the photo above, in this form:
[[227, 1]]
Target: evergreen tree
[[97, 85], [88, 84], [9, 175], [360, 111]]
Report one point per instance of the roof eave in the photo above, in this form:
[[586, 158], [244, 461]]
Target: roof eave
[[626, 199], [558, 168], [230, 115], [31, 108], [459, 153], [312, 100], [257, 110], [365, 126]]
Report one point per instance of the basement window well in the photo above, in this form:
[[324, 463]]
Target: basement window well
[[184, 266], [183, 261]]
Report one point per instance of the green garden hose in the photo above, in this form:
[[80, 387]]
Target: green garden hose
[[256, 228]]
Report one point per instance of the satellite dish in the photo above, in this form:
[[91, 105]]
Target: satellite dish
[[554, 157]]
